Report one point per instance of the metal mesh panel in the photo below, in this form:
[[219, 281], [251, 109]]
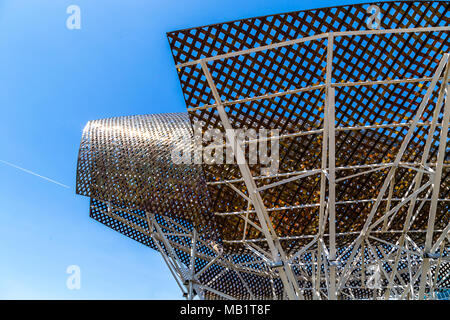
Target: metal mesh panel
[[262, 89], [127, 161], [133, 223]]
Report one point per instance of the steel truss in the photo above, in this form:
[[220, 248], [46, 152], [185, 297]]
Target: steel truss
[[369, 267]]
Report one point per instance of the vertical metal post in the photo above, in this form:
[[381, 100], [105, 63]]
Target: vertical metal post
[[192, 264], [435, 195], [330, 95], [388, 204]]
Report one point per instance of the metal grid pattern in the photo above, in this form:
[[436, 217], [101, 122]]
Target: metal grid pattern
[[360, 115], [245, 81], [223, 278]]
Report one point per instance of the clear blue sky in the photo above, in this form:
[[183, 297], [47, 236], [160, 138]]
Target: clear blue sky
[[52, 81]]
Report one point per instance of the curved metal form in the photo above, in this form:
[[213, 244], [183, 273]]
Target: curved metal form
[[128, 161], [359, 206], [126, 167]]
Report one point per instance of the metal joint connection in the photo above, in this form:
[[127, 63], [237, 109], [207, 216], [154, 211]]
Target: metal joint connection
[[276, 264], [335, 263], [430, 255]]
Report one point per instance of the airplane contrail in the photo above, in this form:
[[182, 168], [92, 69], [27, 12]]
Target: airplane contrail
[[34, 174]]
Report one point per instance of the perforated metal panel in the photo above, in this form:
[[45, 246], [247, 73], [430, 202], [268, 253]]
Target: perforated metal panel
[[128, 161]]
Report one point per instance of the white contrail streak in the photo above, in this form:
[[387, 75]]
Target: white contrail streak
[[34, 174]]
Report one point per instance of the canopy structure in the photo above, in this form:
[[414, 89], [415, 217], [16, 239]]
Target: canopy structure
[[358, 206]]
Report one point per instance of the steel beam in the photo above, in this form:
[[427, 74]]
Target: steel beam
[[286, 274]]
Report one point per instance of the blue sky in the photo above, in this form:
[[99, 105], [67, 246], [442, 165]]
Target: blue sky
[[52, 81]]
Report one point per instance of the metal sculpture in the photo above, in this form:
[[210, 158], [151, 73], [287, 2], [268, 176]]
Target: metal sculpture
[[359, 206]]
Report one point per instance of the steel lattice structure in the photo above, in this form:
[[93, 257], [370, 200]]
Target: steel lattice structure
[[359, 207]]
